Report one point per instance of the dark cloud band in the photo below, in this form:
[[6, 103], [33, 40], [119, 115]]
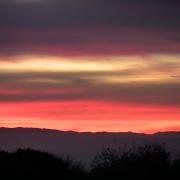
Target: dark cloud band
[[89, 27], [81, 87]]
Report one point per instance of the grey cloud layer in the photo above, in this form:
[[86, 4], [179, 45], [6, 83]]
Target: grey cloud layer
[[58, 14], [89, 26], [82, 86]]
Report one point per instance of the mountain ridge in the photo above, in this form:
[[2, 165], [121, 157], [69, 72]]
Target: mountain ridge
[[86, 132], [81, 145]]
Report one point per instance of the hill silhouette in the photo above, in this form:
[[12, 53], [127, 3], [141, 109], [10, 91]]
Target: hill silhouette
[[81, 146]]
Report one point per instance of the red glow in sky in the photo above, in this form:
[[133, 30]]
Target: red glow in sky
[[89, 66], [90, 116]]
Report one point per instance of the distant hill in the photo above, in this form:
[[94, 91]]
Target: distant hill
[[81, 146]]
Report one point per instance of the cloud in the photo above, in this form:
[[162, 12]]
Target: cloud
[[88, 42], [86, 63], [85, 86], [95, 29], [150, 79], [81, 13], [89, 27]]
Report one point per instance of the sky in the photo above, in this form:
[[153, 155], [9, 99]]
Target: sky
[[90, 65]]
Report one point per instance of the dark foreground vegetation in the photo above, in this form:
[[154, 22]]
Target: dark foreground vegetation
[[146, 162]]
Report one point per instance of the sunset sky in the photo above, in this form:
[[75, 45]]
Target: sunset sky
[[90, 65]]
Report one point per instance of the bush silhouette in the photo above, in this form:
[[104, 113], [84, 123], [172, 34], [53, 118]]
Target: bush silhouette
[[30, 164], [145, 162]]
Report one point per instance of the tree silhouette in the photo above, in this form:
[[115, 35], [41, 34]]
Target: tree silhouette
[[145, 162], [175, 169]]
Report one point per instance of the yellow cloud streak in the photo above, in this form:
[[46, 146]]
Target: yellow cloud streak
[[55, 64], [142, 68]]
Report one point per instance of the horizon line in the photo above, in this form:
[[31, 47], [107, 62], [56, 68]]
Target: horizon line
[[92, 132]]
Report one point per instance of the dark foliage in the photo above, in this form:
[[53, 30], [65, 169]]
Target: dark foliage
[[29, 164], [144, 163], [175, 169]]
